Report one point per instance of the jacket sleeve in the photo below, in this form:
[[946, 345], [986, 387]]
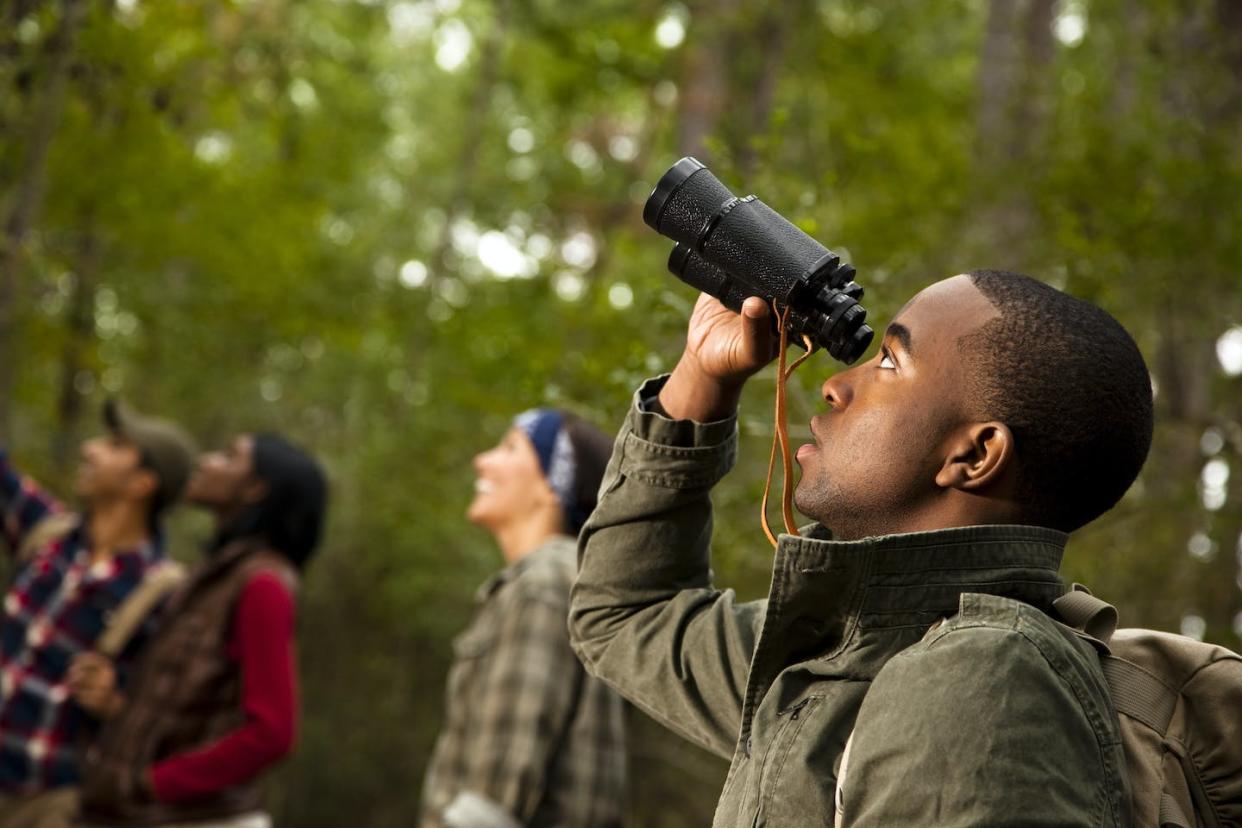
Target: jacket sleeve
[[23, 504], [531, 685], [644, 615], [975, 728]]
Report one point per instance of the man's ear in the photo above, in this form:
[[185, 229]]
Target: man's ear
[[979, 455], [144, 484]]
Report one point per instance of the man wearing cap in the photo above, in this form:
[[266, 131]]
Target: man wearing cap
[[528, 738], [69, 573]]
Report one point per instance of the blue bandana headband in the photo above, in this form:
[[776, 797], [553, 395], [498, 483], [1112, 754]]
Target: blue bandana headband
[[544, 427]]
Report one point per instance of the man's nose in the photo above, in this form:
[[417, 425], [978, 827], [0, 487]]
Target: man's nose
[[838, 390]]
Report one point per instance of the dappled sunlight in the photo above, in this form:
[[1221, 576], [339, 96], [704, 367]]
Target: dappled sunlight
[[383, 227], [453, 45], [671, 30], [1070, 24], [1229, 351]]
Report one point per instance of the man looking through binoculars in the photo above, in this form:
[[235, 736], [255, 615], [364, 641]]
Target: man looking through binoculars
[[903, 670]]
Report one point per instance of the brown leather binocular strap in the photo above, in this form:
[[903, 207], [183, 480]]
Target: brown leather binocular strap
[[780, 436]]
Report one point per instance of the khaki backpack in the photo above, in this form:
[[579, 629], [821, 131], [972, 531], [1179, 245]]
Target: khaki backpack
[[123, 622], [1179, 702]]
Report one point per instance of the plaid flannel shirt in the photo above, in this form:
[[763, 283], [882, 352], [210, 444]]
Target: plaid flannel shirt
[[529, 739], [56, 606]]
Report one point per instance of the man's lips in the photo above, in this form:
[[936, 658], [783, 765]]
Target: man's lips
[[807, 449]]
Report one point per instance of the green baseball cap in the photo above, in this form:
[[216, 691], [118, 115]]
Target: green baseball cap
[[165, 447]]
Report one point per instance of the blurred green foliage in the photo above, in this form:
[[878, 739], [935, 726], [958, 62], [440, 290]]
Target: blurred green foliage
[[385, 227]]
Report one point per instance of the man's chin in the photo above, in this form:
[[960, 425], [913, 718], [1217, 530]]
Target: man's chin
[[806, 509], [808, 503]]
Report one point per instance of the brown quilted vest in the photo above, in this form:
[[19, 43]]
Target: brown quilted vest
[[185, 694]]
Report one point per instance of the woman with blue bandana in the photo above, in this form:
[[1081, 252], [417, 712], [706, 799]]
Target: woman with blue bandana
[[528, 738]]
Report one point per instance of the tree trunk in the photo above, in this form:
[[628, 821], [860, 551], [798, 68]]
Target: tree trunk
[[1228, 27], [1125, 93], [27, 197], [998, 64], [704, 84], [1034, 103], [492, 50], [773, 35], [79, 335], [1014, 106]]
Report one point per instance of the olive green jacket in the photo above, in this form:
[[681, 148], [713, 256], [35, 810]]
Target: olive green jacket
[[998, 716]]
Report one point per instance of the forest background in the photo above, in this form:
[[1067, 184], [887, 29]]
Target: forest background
[[385, 227]]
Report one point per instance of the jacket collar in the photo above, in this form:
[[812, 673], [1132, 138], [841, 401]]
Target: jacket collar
[[921, 571], [843, 608], [222, 560], [555, 548]]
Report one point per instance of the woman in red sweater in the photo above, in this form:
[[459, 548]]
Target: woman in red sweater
[[214, 701]]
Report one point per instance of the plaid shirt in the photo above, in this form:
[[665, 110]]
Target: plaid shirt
[[55, 607], [529, 739]]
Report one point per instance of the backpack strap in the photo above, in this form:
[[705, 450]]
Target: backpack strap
[[1083, 611], [1176, 797], [1171, 814], [1143, 695], [1135, 692], [52, 528], [156, 585], [1139, 694], [125, 620]]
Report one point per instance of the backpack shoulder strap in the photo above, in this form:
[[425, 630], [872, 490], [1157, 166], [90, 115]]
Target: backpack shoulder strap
[[1139, 694], [1136, 692], [156, 585], [1083, 611], [52, 528]]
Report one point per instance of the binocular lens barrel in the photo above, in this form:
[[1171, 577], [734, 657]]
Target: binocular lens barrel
[[733, 248], [667, 187], [699, 273]]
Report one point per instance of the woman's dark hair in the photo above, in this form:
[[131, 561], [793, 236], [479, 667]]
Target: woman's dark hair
[[592, 451], [290, 516]]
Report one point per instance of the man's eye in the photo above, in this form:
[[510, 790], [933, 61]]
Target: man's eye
[[886, 361]]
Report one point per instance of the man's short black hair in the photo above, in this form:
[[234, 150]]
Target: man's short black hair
[[1071, 385]]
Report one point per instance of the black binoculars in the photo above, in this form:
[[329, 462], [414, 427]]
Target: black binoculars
[[733, 248]]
